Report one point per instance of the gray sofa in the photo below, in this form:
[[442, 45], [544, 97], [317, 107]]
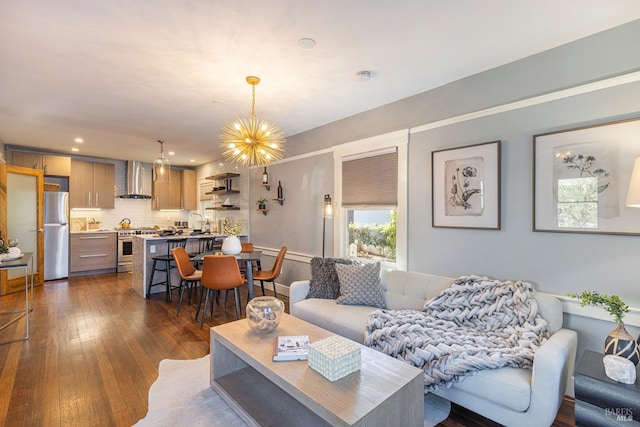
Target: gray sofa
[[509, 396]]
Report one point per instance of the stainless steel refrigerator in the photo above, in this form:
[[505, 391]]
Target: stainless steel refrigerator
[[56, 235]]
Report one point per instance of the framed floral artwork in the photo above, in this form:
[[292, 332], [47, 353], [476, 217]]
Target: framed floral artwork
[[581, 177], [466, 186]]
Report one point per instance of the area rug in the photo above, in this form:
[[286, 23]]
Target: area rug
[[182, 396]]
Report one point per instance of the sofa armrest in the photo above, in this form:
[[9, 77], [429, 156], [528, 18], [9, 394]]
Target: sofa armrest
[[298, 291], [552, 369]]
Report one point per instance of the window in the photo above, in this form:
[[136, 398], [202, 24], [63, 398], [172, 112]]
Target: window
[[372, 234], [371, 190]]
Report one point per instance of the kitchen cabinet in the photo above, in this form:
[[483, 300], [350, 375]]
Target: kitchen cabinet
[[189, 190], [180, 193], [92, 253], [91, 185], [51, 165]]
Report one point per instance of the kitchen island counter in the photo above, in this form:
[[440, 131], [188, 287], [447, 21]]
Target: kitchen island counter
[[146, 246]]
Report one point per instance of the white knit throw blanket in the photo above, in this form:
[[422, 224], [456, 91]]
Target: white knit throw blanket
[[475, 324]]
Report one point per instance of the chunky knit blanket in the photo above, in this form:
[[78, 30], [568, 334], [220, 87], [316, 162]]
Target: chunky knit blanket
[[474, 324]]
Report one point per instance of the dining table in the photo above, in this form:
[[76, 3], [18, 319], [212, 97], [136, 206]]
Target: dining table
[[246, 257]]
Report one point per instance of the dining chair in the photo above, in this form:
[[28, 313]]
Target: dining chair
[[189, 275], [164, 263], [271, 275], [219, 273]]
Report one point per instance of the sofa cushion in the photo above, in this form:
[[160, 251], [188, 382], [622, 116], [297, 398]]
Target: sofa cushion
[[550, 309], [360, 285], [324, 279], [406, 290], [346, 320], [508, 387]]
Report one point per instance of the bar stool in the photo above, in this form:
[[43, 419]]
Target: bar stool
[[165, 264]]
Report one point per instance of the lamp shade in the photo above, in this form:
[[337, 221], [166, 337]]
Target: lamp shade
[[633, 194]]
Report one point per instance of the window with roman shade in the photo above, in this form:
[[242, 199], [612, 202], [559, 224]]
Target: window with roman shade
[[370, 180]]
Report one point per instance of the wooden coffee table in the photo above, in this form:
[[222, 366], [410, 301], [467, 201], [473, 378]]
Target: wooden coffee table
[[384, 392]]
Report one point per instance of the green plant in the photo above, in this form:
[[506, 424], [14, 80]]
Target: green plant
[[612, 303], [261, 201], [4, 250]]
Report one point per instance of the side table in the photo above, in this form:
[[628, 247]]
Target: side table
[[601, 401], [26, 262]]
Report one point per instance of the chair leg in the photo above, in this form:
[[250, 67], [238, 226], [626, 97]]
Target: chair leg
[[204, 311], [204, 291], [275, 295], [169, 289], [183, 284], [236, 294], [153, 270], [262, 286]]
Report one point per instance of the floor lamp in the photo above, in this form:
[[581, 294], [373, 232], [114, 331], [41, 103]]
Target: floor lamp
[[327, 212]]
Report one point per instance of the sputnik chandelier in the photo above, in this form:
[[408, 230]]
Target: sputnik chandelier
[[252, 141]]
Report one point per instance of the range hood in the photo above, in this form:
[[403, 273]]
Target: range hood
[[135, 180]]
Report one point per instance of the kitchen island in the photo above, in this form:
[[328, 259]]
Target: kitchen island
[[145, 247]]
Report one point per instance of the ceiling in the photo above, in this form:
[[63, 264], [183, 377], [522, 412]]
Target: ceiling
[[123, 74]]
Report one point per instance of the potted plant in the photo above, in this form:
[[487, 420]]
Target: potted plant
[[619, 342], [262, 203]]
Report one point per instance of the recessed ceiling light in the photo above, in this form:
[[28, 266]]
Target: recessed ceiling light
[[192, 160], [307, 43], [172, 153], [75, 149], [79, 140]]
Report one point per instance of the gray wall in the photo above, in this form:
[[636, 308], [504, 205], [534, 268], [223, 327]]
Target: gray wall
[[554, 262]]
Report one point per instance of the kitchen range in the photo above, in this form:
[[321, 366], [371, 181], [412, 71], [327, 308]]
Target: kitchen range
[[125, 246]]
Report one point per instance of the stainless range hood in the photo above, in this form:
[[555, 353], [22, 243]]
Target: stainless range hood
[[135, 180]]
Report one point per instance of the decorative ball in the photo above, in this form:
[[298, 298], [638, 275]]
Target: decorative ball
[[264, 313]]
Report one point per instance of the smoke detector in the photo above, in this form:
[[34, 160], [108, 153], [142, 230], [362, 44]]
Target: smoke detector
[[363, 76]]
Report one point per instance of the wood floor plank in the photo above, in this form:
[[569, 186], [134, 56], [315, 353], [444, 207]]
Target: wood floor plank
[[95, 348]]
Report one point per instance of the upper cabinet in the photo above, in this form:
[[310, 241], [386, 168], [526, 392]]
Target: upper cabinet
[[92, 185], [180, 193], [189, 190], [51, 165]]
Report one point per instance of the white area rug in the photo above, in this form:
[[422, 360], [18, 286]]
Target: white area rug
[[182, 396]]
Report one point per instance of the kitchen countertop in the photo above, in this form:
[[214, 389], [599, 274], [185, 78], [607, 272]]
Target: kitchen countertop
[[176, 236], [94, 231]]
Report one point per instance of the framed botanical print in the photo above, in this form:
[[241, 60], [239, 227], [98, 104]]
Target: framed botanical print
[[581, 177], [466, 186]]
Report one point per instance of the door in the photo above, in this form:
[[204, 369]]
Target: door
[[21, 211]]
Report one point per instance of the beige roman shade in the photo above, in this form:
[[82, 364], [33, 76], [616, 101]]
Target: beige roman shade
[[370, 181]]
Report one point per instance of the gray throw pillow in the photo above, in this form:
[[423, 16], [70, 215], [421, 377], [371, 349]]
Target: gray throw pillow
[[324, 280], [360, 285]]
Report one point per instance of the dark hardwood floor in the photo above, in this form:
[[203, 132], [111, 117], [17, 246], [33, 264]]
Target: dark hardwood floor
[[94, 351]]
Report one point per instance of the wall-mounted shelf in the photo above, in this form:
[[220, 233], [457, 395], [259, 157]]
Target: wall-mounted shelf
[[267, 186], [219, 177], [221, 208], [281, 201], [264, 211], [223, 192]]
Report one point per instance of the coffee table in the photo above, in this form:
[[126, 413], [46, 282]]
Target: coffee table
[[384, 392]]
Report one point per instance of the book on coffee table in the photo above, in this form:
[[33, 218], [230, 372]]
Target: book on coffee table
[[291, 347]]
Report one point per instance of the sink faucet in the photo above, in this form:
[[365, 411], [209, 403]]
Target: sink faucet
[[201, 218]]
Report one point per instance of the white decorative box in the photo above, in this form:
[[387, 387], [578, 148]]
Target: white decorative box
[[334, 357]]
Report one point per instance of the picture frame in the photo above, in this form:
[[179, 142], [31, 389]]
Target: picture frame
[[465, 186], [581, 177]]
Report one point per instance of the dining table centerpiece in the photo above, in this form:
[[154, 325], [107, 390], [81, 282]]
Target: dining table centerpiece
[[231, 244]]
